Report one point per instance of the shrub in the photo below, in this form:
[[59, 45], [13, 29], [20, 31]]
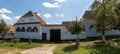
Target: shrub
[[15, 40]]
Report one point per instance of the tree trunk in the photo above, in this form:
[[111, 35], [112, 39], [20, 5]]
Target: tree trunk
[[3, 38], [30, 41], [103, 37], [77, 41]]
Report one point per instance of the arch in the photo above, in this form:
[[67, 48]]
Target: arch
[[29, 29], [18, 29], [35, 29], [23, 29]]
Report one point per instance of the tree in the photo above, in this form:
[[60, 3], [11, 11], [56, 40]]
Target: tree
[[3, 29], [76, 28], [104, 15], [117, 11]]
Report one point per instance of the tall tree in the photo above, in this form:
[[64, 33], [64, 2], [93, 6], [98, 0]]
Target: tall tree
[[76, 28], [104, 15], [3, 29]]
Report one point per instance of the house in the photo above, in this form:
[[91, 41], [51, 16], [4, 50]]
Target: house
[[88, 20], [33, 26]]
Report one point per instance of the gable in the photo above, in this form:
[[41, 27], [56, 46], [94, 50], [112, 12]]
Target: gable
[[30, 17], [88, 17]]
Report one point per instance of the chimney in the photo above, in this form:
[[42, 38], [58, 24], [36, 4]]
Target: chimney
[[35, 12]]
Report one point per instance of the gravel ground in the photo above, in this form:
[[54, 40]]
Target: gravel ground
[[46, 49]]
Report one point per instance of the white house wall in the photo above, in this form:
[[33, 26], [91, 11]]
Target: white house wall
[[64, 35], [69, 36], [33, 35], [47, 31], [25, 20], [92, 33]]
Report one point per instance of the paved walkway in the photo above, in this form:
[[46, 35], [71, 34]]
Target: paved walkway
[[46, 49]]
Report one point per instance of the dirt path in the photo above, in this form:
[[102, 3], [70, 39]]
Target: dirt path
[[46, 49]]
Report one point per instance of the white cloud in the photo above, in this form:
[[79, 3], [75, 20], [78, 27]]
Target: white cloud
[[60, 1], [51, 5], [59, 15], [5, 17], [38, 14], [47, 15], [4, 10], [9, 20], [16, 17], [62, 15]]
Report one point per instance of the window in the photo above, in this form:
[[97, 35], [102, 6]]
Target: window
[[29, 29], [18, 29], [35, 29], [23, 29], [21, 20], [31, 19]]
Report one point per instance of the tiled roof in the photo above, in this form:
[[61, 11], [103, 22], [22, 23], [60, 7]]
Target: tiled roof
[[67, 25], [88, 17], [33, 14], [54, 25], [10, 27]]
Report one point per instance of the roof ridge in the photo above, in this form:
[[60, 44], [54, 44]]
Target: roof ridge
[[33, 14]]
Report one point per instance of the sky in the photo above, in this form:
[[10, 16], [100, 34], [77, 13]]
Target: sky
[[51, 11]]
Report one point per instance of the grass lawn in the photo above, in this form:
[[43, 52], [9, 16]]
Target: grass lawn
[[9, 48], [89, 47], [21, 45]]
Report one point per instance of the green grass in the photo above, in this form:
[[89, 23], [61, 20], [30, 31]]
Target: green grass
[[10, 48], [21, 45], [89, 47]]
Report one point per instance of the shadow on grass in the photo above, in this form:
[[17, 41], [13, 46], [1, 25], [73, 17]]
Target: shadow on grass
[[70, 48], [99, 48]]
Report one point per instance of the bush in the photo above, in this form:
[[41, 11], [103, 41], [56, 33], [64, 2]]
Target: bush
[[30, 40], [15, 40]]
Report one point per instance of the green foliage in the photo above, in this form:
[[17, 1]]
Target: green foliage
[[104, 14], [76, 26], [3, 29], [15, 40], [117, 11], [20, 45], [89, 47]]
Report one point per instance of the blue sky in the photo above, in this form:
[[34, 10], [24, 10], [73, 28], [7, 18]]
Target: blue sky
[[51, 11]]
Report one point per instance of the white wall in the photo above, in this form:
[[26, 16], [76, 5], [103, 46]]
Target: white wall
[[47, 31], [69, 36], [92, 33], [33, 35], [64, 35], [8, 36], [25, 20]]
